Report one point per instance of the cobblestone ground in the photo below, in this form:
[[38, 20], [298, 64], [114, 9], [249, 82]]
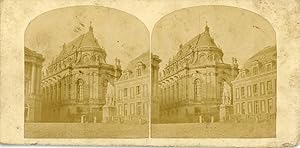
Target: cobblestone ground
[[176, 130], [214, 130], [86, 130]]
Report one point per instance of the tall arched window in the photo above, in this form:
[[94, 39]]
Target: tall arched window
[[198, 89], [80, 89]]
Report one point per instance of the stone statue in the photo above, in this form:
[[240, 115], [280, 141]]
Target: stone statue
[[234, 61], [110, 94], [226, 96], [109, 108]]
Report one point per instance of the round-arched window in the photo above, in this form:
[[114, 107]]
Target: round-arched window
[[198, 89], [80, 89]]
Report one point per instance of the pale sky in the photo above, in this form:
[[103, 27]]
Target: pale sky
[[121, 34], [240, 33]]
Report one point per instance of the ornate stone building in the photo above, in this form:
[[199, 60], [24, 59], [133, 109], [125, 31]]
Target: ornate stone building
[[133, 91], [75, 83], [33, 96], [255, 87], [128, 97], [192, 83]]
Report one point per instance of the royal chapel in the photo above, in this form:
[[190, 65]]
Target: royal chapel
[[74, 85], [192, 84]]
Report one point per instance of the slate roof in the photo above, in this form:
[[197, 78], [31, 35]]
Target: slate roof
[[144, 58], [29, 52], [85, 40], [266, 55], [131, 67], [199, 41]]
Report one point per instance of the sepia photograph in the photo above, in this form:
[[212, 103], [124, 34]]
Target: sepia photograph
[[217, 74], [191, 73], [87, 74]]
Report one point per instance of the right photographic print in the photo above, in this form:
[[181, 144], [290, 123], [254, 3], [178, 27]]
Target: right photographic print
[[214, 74]]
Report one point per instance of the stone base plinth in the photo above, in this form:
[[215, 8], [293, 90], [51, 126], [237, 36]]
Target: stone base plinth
[[108, 113], [225, 112]]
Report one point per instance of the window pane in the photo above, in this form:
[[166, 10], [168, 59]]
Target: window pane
[[243, 91], [249, 91], [269, 85], [237, 93], [255, 88], [249, 107], [262, 88]]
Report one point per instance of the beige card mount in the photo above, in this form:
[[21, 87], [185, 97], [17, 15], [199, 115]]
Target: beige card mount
[[190, 73]]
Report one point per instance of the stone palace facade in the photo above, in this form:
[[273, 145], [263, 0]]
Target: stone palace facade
[[191, 86], [254, 88], [132, 92], [32, 85], [74, 85]]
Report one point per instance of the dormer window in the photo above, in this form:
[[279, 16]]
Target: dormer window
[[243, 74], [255, 70], [125, 92], [269, 66], [255, 67], [138, 90], [140, 66], [243, 92], [139, 72], [127, 74]]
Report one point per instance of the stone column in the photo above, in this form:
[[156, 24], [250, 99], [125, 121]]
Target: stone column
[[63, 89], [59, 90], [40, 77], [155, 81], [214, 84], [33, 78], [90, 85], [97, 86], [73, 87], [184, 90], [37, 87], [200, 119], [168, 94], [56, 92], [179, 89], [190, 88], [51, 93], [212, 119], [208, 85], [47, 95]]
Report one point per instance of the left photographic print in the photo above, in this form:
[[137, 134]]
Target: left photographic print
[[87, 74]]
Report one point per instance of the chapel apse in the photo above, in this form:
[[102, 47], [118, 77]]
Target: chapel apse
[[218, 69]]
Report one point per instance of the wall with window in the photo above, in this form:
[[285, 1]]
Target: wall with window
[[255, 96], [133, 97]]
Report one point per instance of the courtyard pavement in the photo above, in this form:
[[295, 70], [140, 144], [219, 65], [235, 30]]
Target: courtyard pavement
[[85, 130], [214, 130], [174, 130]]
